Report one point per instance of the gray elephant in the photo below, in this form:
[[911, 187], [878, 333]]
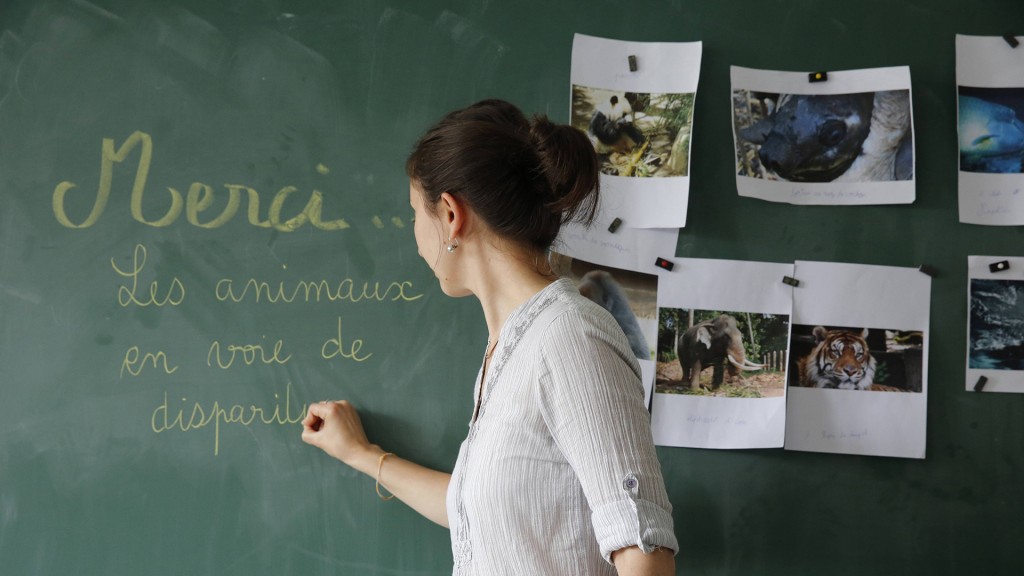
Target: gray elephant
[[717, 343]]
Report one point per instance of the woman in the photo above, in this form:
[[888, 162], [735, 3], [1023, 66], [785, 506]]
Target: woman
[[558, 474]]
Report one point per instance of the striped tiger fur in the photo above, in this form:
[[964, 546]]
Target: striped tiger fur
[[840, 359]]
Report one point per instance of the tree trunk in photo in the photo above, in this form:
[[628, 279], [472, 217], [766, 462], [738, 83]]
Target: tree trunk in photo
[[679, 159]]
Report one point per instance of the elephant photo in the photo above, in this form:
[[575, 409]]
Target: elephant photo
[[717, 343]]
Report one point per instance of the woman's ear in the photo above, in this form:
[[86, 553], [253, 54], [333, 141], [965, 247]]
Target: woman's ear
[[452, 213]]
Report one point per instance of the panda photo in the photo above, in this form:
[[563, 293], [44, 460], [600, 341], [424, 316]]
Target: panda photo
[[635, 134], [611, 127]]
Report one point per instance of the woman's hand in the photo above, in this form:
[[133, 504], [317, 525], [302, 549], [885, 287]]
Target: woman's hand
[[335, 428]]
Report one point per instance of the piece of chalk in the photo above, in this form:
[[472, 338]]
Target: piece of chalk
[[791, 281], [615, 225], [817, 76], [980, 384], [663, 263]]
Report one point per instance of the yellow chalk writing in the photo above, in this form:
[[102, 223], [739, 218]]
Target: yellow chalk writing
[[134, 364], [174, 416], [108, 157], [249, 353], [345, 290], [128, 295], [199, 198], [335, 347]]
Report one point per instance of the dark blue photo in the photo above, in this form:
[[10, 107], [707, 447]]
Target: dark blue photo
[[997, 325]]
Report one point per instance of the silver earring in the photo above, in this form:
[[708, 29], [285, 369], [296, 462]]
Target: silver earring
[[452, 245]]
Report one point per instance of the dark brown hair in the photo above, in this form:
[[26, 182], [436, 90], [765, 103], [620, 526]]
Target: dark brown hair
[[524, 179]]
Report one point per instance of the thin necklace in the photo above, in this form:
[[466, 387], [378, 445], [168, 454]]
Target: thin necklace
[[488, 350]]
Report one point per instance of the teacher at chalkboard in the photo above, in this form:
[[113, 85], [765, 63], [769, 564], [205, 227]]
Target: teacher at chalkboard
[[558, 474]]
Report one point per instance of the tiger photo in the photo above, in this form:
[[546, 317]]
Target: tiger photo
[[840, 359], [845, 358]]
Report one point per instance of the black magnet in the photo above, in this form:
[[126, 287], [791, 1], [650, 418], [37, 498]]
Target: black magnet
[[999, 266]]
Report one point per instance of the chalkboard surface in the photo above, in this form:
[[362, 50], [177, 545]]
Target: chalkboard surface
[[204, 225]]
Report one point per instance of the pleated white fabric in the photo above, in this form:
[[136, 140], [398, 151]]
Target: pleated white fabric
[[559, 469]]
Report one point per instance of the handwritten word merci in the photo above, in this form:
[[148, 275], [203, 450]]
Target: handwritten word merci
[[197, 204]]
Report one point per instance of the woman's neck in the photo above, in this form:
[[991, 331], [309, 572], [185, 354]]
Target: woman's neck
[[507, 280]]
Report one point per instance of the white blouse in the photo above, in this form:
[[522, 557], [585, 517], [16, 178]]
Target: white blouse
[[559, 468]]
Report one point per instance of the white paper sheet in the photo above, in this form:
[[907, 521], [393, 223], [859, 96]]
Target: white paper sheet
[[995, 324], [644, 125], [634, 249], [741, 289], [990, 129], [855, 421], [855, 143]]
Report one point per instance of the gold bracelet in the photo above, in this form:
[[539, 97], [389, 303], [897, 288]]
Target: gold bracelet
[[380, 464]]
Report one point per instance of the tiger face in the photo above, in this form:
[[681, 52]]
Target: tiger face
[[840, 359]]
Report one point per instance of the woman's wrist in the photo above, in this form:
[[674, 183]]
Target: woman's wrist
[[367, 460]]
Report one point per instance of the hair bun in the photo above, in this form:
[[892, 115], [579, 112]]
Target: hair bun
[[523, 178], [569, 164]]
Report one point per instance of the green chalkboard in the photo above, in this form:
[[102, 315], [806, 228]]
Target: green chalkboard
[[204, 225]]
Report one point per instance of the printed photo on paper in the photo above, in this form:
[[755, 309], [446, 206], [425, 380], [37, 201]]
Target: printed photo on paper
[[990, 131], [995, 324], [638, 135], [858, 364], [996, 335], [723, 334], [714, 353], [630, 297], [990, 126], [848, 140], [852, 358], [823, 138], [634, 101]]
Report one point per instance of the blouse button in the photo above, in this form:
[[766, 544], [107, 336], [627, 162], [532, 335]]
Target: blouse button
[[631, 485]]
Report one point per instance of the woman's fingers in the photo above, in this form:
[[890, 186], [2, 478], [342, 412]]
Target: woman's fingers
[[335, 428]]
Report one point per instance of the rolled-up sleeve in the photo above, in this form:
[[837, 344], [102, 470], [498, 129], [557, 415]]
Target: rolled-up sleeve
[[591, 398]]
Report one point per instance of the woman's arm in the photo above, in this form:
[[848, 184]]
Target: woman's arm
[[633, 562], [592, 401], [335, 428]]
